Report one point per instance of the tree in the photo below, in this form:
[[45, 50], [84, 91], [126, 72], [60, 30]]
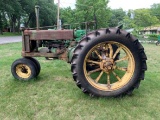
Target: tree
[[143, 18], [67, 15], [13, 11], [117, 16], [28, 17], [23, 11], [47, 12], [155, 10], [1, 24], [128, 23], [90, 10]]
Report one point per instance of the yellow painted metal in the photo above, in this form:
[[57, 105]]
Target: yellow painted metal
[[107, 73], [23, 71]]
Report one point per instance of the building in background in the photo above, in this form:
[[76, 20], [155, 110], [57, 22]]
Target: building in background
[[151, 30]]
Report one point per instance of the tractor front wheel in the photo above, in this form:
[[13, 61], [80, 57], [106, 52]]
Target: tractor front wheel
[[38, 66], [23, 69]]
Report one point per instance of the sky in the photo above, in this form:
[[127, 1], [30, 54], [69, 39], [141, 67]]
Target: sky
[[66, 3], [131, 4], [115, 4]]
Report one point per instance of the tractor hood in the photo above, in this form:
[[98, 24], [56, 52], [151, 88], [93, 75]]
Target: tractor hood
[[49, 34]]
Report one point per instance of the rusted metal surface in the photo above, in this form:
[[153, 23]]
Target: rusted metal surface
[[49, 34], [44, 52], [62, 54], [37, 16], [25, 42], [38, 54]]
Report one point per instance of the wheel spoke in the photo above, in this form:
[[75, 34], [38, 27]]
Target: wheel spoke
[[118, 78], [110, 50], [94, 62], [121, 68], [101, 47], [117, 51], [98, 78], [105, 50], [108, 81], [98, 55], [96, 70], [122, 59], [107, 54]]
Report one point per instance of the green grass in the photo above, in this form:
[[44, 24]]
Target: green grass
[[6, 34], [54, 95]]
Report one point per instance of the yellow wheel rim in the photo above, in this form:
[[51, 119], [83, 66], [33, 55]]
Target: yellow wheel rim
[[109, 69], [23, 71]]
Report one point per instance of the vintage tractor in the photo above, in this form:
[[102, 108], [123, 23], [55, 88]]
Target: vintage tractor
[[107, 62]]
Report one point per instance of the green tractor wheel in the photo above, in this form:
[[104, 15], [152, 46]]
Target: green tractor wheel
[[117, 72]]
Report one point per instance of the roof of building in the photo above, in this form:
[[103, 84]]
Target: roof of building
[[152, 28]]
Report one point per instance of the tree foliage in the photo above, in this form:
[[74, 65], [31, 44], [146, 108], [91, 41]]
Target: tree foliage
[[67, 15], [128, 22], [88, 10], [155, 10], [48, 11], [15, 12], [116, 17], [1, 26], [144, 18], [23, 11]]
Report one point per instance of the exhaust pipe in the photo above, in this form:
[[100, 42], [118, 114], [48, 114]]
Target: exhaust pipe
[[37, 16], [37, 24]]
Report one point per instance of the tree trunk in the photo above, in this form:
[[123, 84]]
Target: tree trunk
[[30, 17], [1, 32], [18, 27], [13, 23], [1, 24]]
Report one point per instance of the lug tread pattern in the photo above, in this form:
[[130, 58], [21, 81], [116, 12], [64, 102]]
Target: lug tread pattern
[[117, 31]]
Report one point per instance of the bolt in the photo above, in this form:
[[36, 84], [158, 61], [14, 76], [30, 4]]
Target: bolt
[[109, 67]]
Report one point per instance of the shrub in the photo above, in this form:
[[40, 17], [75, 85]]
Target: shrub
[[153, 36]]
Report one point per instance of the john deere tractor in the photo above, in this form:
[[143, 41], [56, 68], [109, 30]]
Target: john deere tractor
[[107, 62]]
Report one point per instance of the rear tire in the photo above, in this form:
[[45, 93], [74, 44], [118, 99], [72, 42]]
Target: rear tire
[[114, 76], [23, 69]]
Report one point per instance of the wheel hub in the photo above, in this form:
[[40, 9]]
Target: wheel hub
[[107, 65], [24, 70]]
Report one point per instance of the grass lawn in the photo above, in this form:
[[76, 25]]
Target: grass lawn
[[54, 95], [6, 34]]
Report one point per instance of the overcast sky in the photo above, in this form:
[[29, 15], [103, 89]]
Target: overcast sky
[[131, 4], [114, 4]]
